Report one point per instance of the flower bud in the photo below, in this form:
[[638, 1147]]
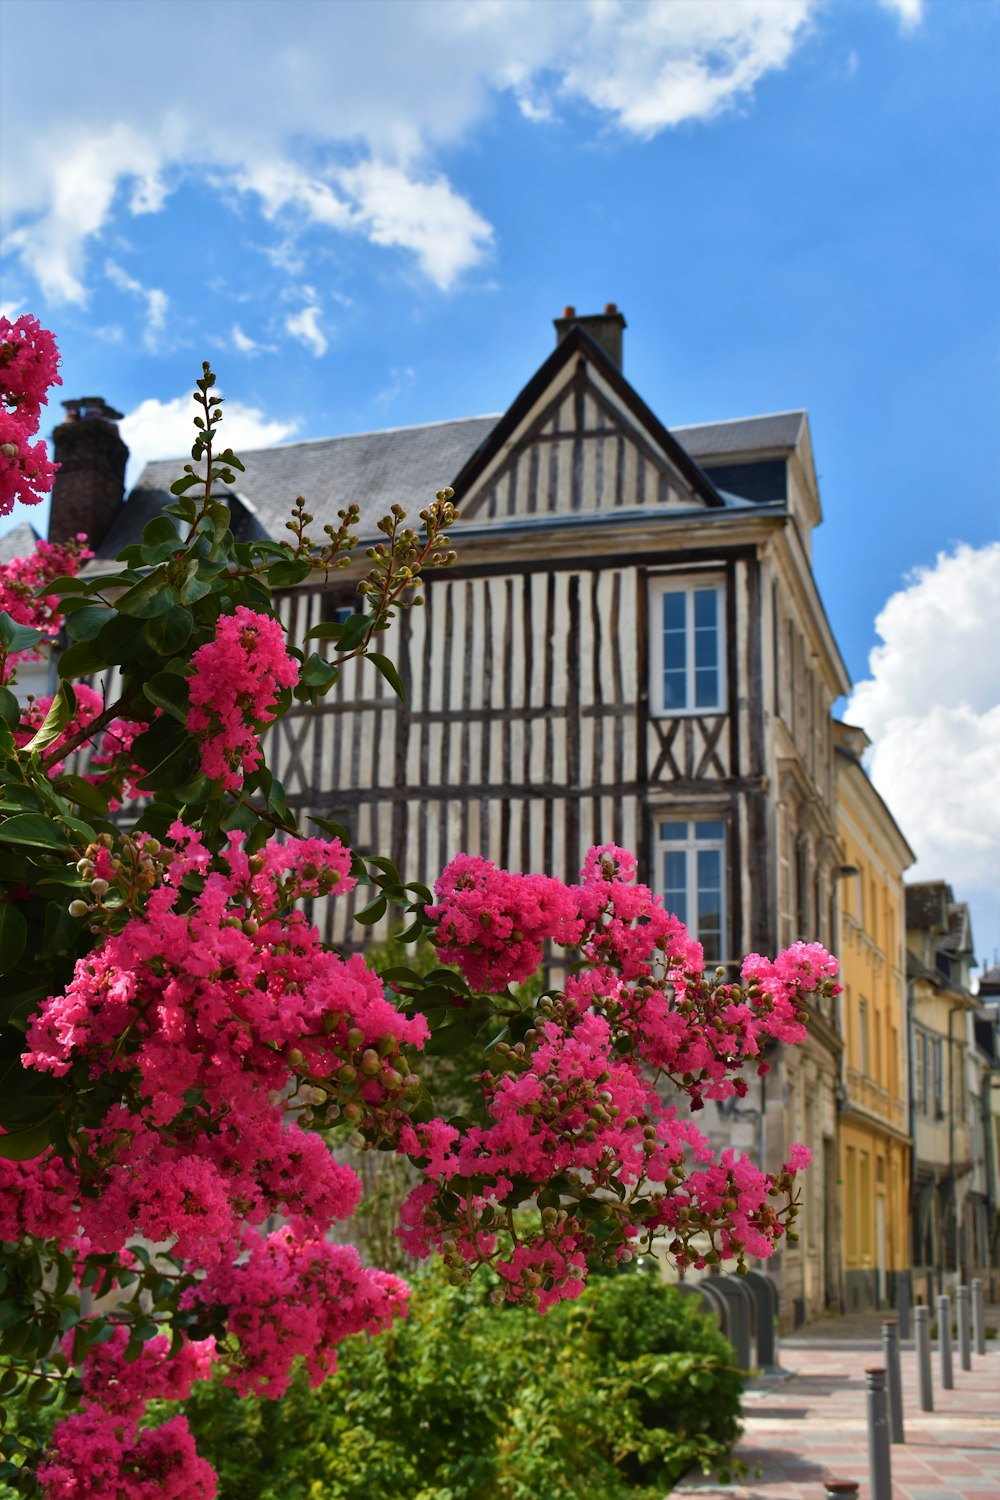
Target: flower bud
[[78, 908]]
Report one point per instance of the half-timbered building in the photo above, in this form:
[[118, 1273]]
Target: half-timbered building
[[631, 647]]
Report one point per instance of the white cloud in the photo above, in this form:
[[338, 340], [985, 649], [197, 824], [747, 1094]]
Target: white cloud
[[360, 101], [656, 66], [428, 217], [155, 298], [244, 344], [165, 429], [909, 12], [932, 710], [304, 325], [72, 190]]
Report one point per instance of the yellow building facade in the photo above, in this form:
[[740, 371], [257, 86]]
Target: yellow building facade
[[874, 1142]]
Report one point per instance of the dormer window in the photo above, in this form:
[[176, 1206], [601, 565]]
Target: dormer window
[[686, 645], [942, 962]]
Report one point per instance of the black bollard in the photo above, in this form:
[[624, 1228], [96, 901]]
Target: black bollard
[[879, 1464], [922, 1335], [962, 1318], [894, 1379], [903, 1302], [944, 1342]]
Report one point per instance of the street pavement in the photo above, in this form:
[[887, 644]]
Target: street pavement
[[809, 1424]]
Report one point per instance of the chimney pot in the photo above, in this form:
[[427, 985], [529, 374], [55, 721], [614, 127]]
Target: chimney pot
[[604, 328]]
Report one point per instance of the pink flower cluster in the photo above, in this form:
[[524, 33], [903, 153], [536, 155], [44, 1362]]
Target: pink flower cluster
[[493, 923], [123, 1387], [96, 1457], [214, 1010], [577, 1099], [29, 362], [21, 580], [235, 680], [294, 1298]]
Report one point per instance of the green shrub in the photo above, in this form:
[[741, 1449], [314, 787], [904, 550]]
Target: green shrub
[[615, 1395]]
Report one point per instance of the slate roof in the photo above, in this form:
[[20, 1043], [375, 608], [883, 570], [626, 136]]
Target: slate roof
[[377, 469], [17, 542], [744, 435], [374, 469]]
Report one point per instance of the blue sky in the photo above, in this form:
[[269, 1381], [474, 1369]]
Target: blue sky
[[367, 215]]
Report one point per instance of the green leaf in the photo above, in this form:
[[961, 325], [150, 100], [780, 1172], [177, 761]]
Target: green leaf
[[152, 596], [388, 670], [66, 583], [326, 630], [15, 637], [337, 830], [196, 587], [160, 529], [284, 574], [13, 935], [55, 721], [83, 659], [401, 975], [354, 630], [167, 633], [373, 912], [317, 673], [10, 709], [84, 624], [34, 830], [180, 485], [23, 1142], [16, 798], [75, 789], [169, 692]]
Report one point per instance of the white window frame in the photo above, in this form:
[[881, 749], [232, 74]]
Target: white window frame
[[687, 584], [690, 846]]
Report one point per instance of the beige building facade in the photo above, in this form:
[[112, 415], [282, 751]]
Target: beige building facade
[[874, 1135]]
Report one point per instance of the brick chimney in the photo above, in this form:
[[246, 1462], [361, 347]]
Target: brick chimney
[[90, 486], [605, 328]]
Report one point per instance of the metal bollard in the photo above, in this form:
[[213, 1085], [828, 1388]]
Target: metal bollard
[[944, 1342], [893, 1379], [903, 1302], [922, 1335], [978, 1315], [879, 1466], [962, 1318]]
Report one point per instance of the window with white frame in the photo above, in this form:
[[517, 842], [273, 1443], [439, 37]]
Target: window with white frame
[[687, 674], [692, 867]]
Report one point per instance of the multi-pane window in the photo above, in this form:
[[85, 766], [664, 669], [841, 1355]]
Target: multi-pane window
[[692, 855], [687, 646], [929, 1075]]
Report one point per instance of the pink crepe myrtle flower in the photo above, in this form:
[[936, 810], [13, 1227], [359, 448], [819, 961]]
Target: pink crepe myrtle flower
[[235, 681]]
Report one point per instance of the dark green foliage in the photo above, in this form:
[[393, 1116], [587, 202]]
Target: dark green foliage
[[614, 1396]]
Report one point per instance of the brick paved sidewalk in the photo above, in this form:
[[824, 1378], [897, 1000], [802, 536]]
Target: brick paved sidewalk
[[812, 1425]]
